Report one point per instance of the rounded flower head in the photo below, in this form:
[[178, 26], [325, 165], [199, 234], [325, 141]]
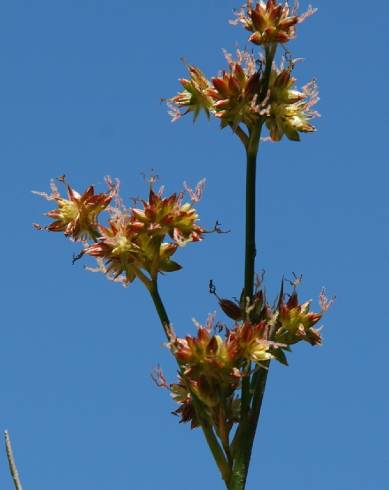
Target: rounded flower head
[[235, 93], [289, 111], [127, 251], [77, 215], [206, 353], [168, 216], [193, 98], [297, 322], [214, 365], [208, 366], [231, 96], [250, 342], [270, 22], [118, 248]]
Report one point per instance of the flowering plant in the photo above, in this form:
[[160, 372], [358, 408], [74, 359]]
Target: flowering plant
[[223, 367]]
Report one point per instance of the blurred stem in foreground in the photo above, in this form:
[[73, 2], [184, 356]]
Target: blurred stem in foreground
[[11, 461]]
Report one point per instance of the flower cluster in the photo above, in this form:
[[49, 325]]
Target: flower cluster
[[194, 98], [127, 251], [253, 92], [77, 215], [290, 110], [134, 240], [270, 22], [212, 371], [235, 93], [242, 95], [160, 217], [213, 365], [295, 322]]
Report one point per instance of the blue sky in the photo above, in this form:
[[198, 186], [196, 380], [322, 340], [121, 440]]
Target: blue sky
[[80, 95]]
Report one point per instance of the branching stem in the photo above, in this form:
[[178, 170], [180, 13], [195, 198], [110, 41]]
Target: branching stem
[[234, 466], [216, 449]]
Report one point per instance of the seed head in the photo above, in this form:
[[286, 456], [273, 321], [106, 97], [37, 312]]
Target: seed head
[[128, 251], [289, 110], [235, 92], [270, 22], [77, 215], [297, 322], [168, 216], [193, 98]]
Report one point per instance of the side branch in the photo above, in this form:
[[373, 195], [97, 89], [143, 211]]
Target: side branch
[[241, 135], [160, 307], [214, 446]]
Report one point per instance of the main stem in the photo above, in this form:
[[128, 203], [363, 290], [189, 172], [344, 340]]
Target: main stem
[[246, 430], [250, 249], [252, 390]]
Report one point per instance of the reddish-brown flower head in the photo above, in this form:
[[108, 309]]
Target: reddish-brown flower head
[[135, 242], [193, 98], [231, 97], [168, 216], [289, 111], [208, 368], [270, 22], [297, 322], [77, 215], [242, 95], [206, 352], [118, 248], [235, 93], [213, 365], [127, 250], [250, 342]]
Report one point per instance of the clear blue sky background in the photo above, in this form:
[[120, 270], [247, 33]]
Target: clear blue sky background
[[80, 89]]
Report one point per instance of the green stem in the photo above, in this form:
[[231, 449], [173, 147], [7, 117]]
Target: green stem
[[252, 392], [250, 250], [242, 441], [251, 154], [247, 430], [160, 307], [259, 384], [214, 446]]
